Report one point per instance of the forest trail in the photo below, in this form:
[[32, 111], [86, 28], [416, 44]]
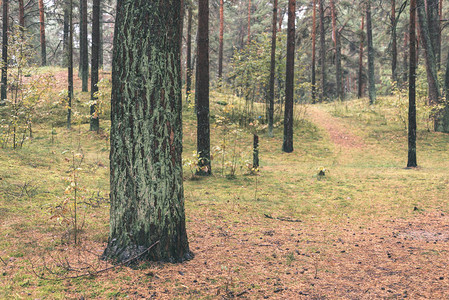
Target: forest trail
[[339, 134]]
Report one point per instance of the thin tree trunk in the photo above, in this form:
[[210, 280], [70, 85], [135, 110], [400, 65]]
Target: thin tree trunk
[[220, 47], [42, 33], [5, 52], [84, 53], [394, 47], [70, 67], [147, 197], [203, 126], [411, 163], [336, 38], [65, 39], [322, 52], [440, 24], [189, 54], [101, 50], [289, 79], [249, 21], [405, 61], [360, 73], [272, 70], [371, 76], [94, 117], [314, 51]]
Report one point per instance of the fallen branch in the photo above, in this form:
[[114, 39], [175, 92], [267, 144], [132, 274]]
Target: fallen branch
[[282, 219], [99, 271], [3, 261]]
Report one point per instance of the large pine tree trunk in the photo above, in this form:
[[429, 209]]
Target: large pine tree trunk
[[84, 53], [42, 33], [360, 72], [202, 91], [411, 163], [147, 198], [322, 52], [314, 51], [289, 79], [220, 47], [189, 53], [272, 70], [94, 117], [5, 51], [371, 76]]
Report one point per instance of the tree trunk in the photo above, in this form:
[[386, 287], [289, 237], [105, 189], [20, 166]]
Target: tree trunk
[[203, 126], [94, 117], [101, 50], [272, 70], [429, 54], [411, 163], [65, 39], [42, 33], [433, 18], [336, 38], [70, 67], [440, 24], [371, 76], [255, 151], [147, 198], [314, 51], [189, 54], [21, 15], [394, 47], [405, 58], [249, 21], [84, 54], [289, 79], [5, 52], [360, 74], [220, 49], [322, 52]]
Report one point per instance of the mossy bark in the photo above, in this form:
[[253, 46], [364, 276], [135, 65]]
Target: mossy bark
[[94, 117], [371, 76], [4, 51], [147, 197]]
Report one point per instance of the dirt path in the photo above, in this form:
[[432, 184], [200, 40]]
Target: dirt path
[[339, 134]]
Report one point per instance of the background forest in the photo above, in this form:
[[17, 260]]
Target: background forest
[[338, 217]]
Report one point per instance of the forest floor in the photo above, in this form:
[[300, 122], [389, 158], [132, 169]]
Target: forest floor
[[369, 228]]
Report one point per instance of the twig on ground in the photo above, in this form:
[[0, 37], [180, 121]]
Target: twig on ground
[[3, 261], [282, 219], [95, 273]]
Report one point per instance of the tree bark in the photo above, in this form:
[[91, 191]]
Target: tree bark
[[336, 38], [360, 73], [147, 197], [394, 47], [70, 67], [220, 47], [189, 54], [21, 15], [84, 54], [433, 18], [42, 33], [249, 21], [322, 52], [289, 79], [371, 76], [94, 117], [202, 107], [314, 51], [411, 163], [5, 51], [272, 70], [65, 39], [431, 67], [405, 59]]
